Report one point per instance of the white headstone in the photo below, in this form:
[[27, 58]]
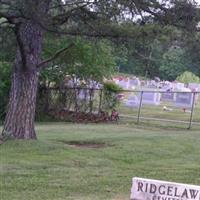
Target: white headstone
[[184, 99], [83, 94], [194, 86], [132, 101], [151, 98], [147, 189], [152, 84], [178, 86], [168, 96], [134, 82], [124, 84]]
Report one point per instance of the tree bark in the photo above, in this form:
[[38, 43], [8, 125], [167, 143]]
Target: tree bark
[[19, 122], [20, 116]]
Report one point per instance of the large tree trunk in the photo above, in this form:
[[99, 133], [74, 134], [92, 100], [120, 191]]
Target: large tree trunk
[[19, 122], [20, 116]]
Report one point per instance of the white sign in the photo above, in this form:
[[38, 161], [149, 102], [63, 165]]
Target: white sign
[[147, 189]]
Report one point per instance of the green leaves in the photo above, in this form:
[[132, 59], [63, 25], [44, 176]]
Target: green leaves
[[188, 77], [5, 74], [110, 99], [173, 63], [85, 59]]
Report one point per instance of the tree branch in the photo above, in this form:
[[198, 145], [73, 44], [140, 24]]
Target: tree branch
[[4, 15], [96, 33], [148, 58], [12, 18], [44, 63], [62, 18], [6, 2]]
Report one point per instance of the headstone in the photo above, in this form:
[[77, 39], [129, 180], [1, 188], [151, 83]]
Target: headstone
[[194, 86], [147, 189], [134, 82], [167, 86], [132, 101], [168, 96], [83, 94], [152, 84], [184, 99], [151, 98], [178, 86], [124, 84]]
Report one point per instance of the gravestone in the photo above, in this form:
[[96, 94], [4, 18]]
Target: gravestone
[[83, 94], [132, 101], [168, 96], [178, 86], [124, 84], [194, 86], [147, 189], [150, 98], [167, 86], [184, 99], [152, 84], [134, 82]]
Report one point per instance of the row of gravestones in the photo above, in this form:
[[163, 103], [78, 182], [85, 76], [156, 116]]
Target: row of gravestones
[[183, 99], [165, 85], [155, 98], [151, 98]]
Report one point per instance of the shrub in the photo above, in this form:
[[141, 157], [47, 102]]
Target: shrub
[[110, 100]]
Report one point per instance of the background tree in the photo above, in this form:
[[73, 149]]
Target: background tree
[[7, 52], [173, 64], [4, 87], [188, 77], [87, 60]]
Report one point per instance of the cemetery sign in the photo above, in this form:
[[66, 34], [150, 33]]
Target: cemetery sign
[[147, 189]]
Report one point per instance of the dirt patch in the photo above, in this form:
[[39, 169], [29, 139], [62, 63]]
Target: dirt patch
[[86, 144]]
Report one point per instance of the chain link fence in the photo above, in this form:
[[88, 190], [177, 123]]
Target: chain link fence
[[163, 108], [153, 106], [181, 109]]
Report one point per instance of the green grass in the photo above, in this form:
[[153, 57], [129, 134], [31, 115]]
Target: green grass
[[50, 169], [152, 111]]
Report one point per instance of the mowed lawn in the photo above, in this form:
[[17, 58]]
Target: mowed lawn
[[95, 162]]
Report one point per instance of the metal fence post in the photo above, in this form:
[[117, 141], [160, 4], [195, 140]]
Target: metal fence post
[[192, 110], [140, 105], [100, 99]]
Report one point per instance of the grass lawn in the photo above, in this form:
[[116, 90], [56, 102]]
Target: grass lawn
[[152, 111], [54, 169]]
